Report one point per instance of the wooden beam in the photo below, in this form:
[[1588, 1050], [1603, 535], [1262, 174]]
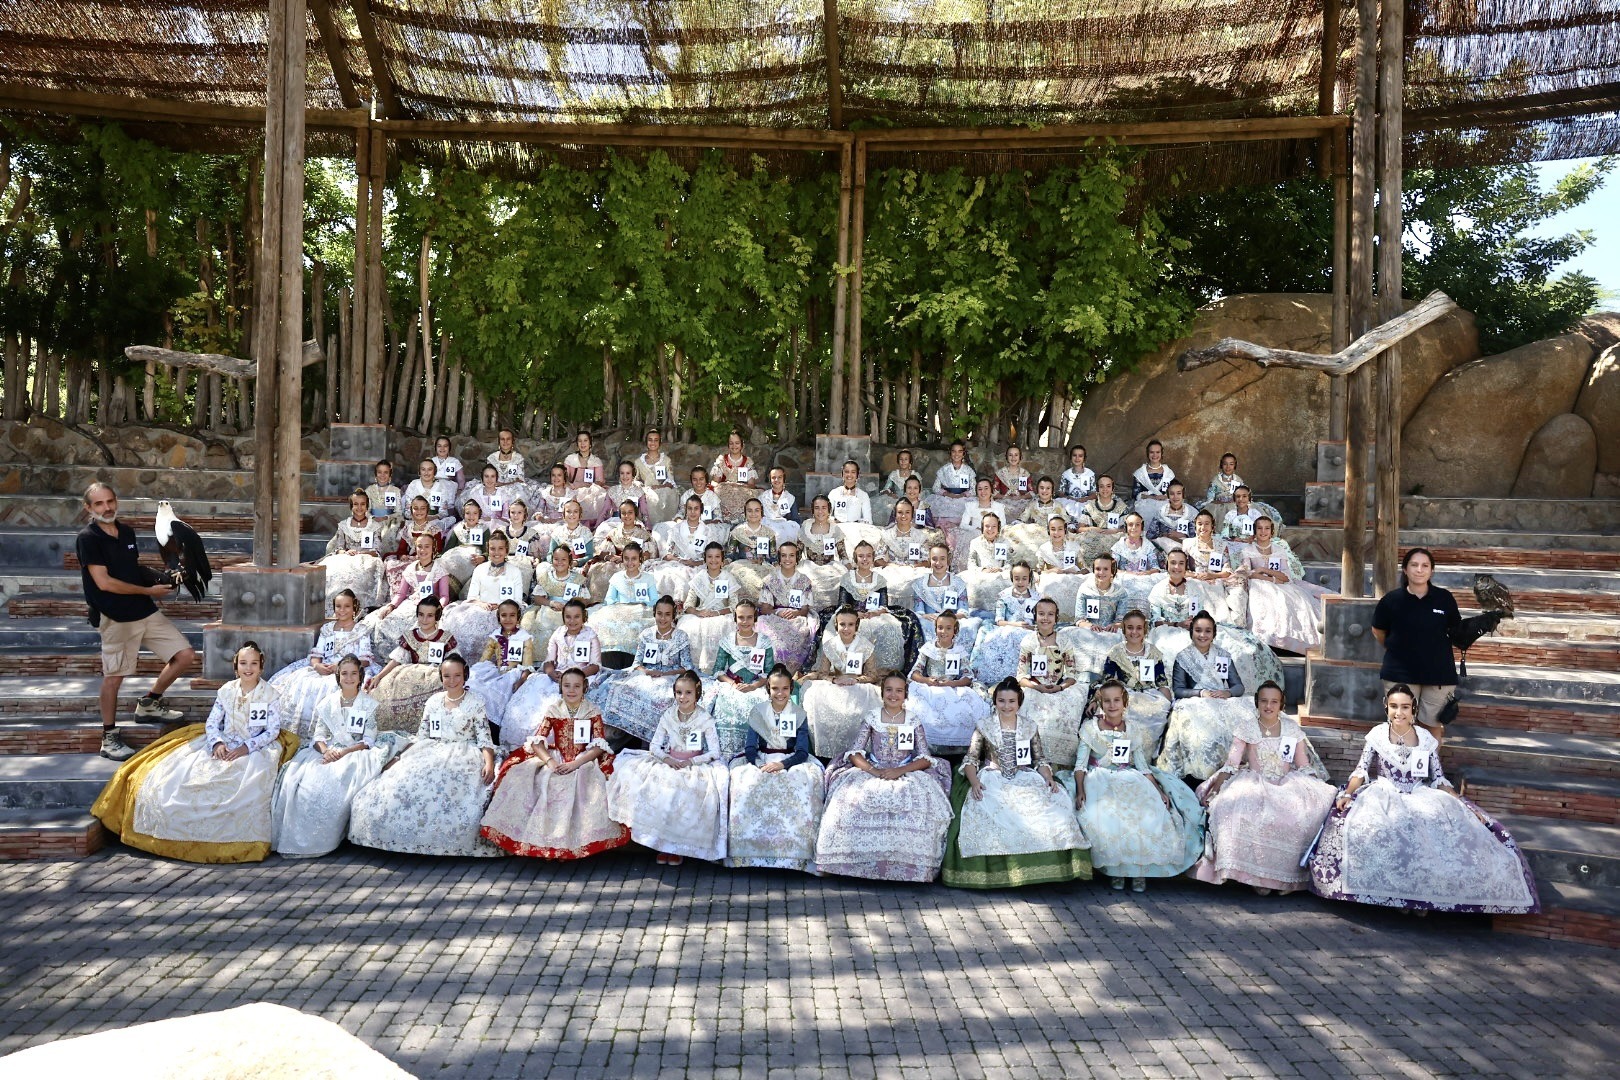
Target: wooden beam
[[1551, 105], [161, 110], [214, 363], [832, 37], [380, 76], [1148, 132], [854, 415], [1347, 361], [353, 408], [1387, 415], [1353, 554], [611, 134], [290, 329], [267, 279], [336, 53], [846, 173]]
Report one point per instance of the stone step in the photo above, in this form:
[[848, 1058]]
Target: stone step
[[40, 781], [49, 833], [60, 734], [1529, 626], [80, 695], [1469, 746], [1498, 711], [1459, 579], [22, 506], [1541, 686], [1589, 916], [14, 661], [1586, 656], [70, 635], [216, 559], [1567, 796], [1324, 503], [1572, 852], [1312, 539], [72, 606]]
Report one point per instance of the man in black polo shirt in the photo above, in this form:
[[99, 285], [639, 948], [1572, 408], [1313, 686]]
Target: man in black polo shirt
[[123, 608]]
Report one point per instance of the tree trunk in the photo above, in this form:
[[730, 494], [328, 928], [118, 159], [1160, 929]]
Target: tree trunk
[[423, 265], [343, 372]]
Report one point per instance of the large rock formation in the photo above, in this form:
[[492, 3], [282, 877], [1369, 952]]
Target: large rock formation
[[1270, 418], [1599, 405], [1560, 461], [1469, 436]]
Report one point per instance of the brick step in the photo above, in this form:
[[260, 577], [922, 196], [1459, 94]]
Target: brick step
[[210, 523], [1565, 559], [70, 561], [43, 781], [19, 662], [1581, 655], [79, 695], [1530, 627], [1566, 796], [1529, 753], [1589, 916], [1545, 686], [1566, 602], [70, 635], [61, 734], [1507, 714], [62, 606], [1571, 852], [50, 833]]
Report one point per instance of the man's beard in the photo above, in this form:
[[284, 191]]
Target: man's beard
[[103, 519]]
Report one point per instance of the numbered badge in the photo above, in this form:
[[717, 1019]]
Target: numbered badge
[[1038, 666], [258, 715], [915, 553], [424, 588], [829, 547], [1217, 562], [907, 736], [1420, 766], [873, 601], [1070, 560], [694, 740], [391, 501], [1003, 553], [649, 655], [660, 474], [853, 664], [1024, 752], [762, 547], [579, 548], [496, 504], [588, 475], [1119, 752], [582, 652], [475, 537], [795, 598], [435, 652], [784, 505], [520, 547], [508, 592], [756, 660], [1146, 667], [1023, 485], [643, 594], [722, 590], [357, 724], [1286, 748], [1274, 564], [1223, 669], [435, 501], [1093, 609], [582, 730], [367, 541], [572, 590], [1114, 521], [949, 601], [787, 725]]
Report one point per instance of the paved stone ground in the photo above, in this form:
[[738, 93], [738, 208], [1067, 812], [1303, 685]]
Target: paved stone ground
[[613, 968]]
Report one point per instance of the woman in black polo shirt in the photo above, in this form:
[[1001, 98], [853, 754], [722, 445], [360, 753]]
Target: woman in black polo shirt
[[1414, 623]]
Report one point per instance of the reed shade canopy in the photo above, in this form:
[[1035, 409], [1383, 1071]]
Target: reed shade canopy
[[1486, 80]]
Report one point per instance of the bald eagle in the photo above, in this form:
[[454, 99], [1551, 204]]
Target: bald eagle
[[185, 560]]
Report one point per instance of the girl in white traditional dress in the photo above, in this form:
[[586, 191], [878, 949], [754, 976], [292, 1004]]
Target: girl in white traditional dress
[[1266, 803], [1101, 521], [1013, 481], [1150, 484], [1101, 601], [1222, 490], [865, 590], [1138, 565], [550, 799], [735, 476], [1141, 822], [1045, 507], [627, 489], [423, 577], [1209, 705], [1063, 567], [1141, 668], [786, 612], [895, 483], [1176, 599], [492, 494], [1238, 522], [430, 799], [1077, 483], [571, 645], [472, 621], [905, 543], [1285, 610], [1407, 839], [1213, 565], [710, 598], [744, 659], [939, 591], [942, 685], [922, 514], [354, 556], [449, 467], [505, 664], [575, 535], [781, 508], [527, 542], [411, 675], [989, 556], [887, 808], [634, 699], [995, 653], [206, 798], [753, 541], [418, 523], [985, 502], [776, 786], [842, 687], [1055, 682], [439, 496], [464, 548], [555, 584], [507, 460], [303, 683], [684, 541], [655, 469], [627, 609], [703, 491], [310, 810], [1015, 824], [630, 526], [587, 477], [675, 795], [1173, 521], [823, 539]]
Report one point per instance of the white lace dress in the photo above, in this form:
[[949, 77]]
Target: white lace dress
[[681, 811], [310, 810]]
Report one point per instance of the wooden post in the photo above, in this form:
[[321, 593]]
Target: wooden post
[[1332, 153], [1391, 82], [355, 350], [266, 289], [375, 295], [854, 420], [835, 422], [290, 336], [1353, 560], [832, 39]]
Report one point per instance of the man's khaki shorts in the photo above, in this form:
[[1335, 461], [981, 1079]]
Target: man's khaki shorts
[[122, 642]]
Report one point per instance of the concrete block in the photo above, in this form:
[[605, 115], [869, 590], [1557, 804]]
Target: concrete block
[[1343, 689], [1347, 631], [281, 644], [343, 477], [359, 442], [1330, 458], [257, 596], [833, 450]]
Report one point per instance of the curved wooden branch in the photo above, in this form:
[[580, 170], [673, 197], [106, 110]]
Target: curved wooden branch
[[1358, 352], [214, 363]]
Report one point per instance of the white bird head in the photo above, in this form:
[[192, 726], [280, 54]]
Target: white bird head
[[162, 526]]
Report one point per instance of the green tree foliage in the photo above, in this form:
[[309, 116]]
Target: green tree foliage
[[1469, 232]]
